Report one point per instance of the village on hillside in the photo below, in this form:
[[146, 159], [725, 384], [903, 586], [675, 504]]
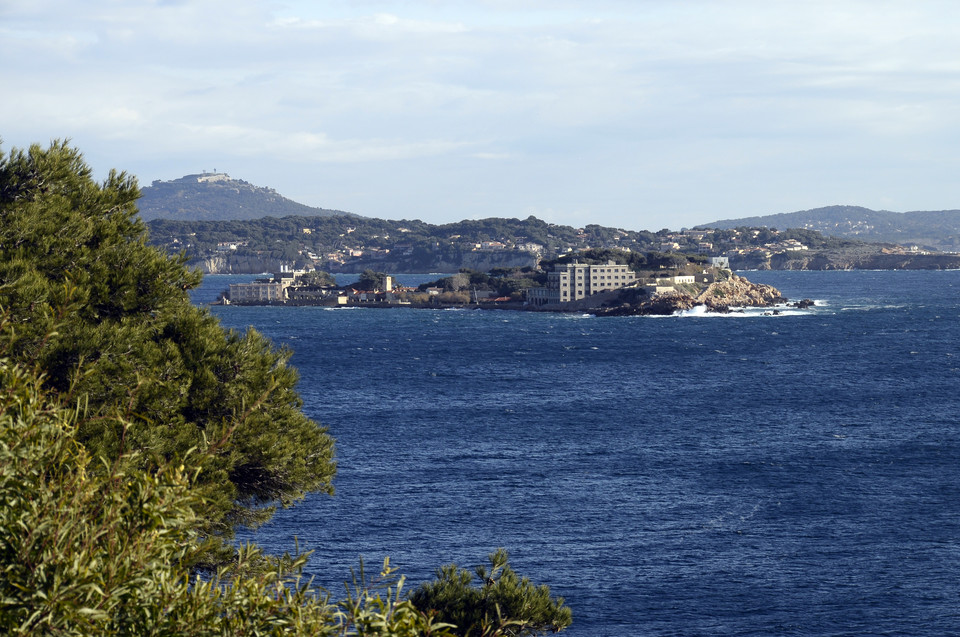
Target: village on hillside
[[753, 245]]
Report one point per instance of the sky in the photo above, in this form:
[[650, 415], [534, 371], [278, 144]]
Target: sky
[[638, 114]]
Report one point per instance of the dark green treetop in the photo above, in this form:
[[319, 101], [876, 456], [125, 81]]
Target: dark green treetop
[[108, 321], [503, 603], [317, 278]]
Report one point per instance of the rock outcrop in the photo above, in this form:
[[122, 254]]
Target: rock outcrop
[[721, 296], [738, 292]]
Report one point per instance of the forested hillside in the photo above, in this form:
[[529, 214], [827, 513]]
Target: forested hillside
[[352, 244], [356, 243], [936, 229]]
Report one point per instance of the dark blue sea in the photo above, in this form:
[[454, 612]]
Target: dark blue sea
[[796, 474]]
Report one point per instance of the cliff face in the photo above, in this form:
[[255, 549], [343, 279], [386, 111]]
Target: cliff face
[[233, 264]]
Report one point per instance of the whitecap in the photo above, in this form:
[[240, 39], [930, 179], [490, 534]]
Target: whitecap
[[697, 310]]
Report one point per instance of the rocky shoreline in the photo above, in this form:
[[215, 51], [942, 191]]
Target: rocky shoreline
[[723, 296], [719, 297]]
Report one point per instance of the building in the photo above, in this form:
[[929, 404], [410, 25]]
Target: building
[[208, 178], [315, 295], [573, 281], [720, 262], [257, 292], [265, 290]]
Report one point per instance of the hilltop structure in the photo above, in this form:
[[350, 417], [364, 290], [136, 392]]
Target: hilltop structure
[[216, 197]]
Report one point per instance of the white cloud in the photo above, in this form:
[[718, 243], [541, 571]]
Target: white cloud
[[626, 112]]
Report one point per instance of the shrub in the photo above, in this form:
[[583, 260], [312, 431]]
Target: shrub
[[503, 603]]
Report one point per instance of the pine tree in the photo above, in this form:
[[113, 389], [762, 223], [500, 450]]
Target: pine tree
[[108, 321], [93, 548], [136, 433], [502, 604]]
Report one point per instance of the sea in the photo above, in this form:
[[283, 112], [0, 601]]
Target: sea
[[753, 473]]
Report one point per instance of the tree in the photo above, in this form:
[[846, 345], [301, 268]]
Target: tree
[[666, 260], [457, 282], [502, 604], [371, 280], [317, 278], [108, 320], [106, 550], [135, 432]]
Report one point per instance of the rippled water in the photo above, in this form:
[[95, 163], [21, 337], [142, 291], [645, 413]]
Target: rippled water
[[726, 475]]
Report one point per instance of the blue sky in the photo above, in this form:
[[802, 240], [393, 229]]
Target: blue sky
[[640, 114]]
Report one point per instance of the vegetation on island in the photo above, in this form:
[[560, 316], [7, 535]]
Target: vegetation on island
[[136, 433]]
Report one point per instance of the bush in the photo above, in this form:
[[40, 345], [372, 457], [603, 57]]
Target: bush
[[88, 550], [503, 603]]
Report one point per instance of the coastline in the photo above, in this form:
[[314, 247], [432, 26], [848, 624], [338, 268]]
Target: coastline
[[719, 297]]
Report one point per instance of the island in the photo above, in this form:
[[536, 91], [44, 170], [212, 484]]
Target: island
[[589, 281]]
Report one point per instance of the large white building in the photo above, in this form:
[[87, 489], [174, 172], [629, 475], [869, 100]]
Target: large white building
[[573, 281], [258, 292], [265, 290]]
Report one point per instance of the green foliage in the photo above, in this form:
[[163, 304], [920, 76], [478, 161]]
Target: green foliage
[[599, 256], [105, 550], [317, 278], [370, 280], [78, 545], [107, 319], [135, 432], [504, 281], [376, 607], [414, 244], [666, 260], [503, 603]]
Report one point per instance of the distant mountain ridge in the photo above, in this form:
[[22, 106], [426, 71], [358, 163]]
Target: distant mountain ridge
[[218, 197], [935, 229]]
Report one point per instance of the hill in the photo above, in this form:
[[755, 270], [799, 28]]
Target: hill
[[217, 197], [227, 225], [938, 229], [338, 243]]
